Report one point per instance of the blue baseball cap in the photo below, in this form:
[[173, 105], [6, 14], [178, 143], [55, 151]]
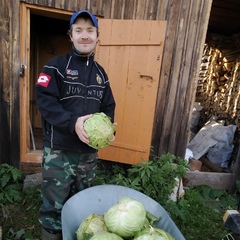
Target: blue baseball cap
[[77, 14]]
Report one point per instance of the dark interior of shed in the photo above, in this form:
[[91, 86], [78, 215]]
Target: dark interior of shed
[[218, 90], [224, 17], [48, 39]]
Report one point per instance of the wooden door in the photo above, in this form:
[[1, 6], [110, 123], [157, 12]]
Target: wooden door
[[131, 53]]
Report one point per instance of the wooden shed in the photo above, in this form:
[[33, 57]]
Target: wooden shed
[[159, 46]]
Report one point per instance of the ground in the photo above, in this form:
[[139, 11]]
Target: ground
[[20, 219]]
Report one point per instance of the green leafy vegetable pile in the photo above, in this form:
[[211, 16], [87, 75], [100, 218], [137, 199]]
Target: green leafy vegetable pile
[[126, 220], [100, 130]]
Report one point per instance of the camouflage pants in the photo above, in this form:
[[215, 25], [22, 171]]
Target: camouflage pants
[[64, 174]]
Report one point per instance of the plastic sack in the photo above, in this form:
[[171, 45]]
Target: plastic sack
[[221, 152], [203, 140], [215, 140]]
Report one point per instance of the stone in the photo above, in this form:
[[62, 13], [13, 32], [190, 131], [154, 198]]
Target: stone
[[32, 180]]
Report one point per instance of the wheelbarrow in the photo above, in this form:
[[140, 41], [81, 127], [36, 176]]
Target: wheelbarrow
[[98, 199]]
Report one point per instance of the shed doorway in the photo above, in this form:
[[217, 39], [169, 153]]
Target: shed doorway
[[48, 39], [131, 59], [42, 36]]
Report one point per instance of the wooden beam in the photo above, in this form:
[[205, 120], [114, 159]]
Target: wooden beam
[[214, 180]]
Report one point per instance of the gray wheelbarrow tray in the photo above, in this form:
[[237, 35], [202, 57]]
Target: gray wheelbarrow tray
[[99, 199]]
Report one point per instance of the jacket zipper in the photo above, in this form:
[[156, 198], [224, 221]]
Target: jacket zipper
[[85, 99]]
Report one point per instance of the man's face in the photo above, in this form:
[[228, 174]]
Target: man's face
[[84, 36]]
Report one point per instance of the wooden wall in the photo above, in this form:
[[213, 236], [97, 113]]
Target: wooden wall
[[9, 82], [186, 31]]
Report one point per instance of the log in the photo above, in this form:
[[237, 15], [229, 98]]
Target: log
[[211, 166]]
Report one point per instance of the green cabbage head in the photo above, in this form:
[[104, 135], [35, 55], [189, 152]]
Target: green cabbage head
[[126, 218], [99, 129], [91, 225], [106, 236], [153, 233]]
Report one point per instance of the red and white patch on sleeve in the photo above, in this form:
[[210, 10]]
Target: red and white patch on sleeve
[[43, 79]]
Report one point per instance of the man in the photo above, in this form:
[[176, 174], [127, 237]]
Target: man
[[69, 90]]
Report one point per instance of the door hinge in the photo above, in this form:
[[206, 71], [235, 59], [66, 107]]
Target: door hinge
[[22, 70]]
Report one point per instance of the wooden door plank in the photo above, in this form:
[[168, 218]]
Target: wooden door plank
[[150, 87], [24, 90]]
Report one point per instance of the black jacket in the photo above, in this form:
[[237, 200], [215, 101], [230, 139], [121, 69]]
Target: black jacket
[[71, 86]]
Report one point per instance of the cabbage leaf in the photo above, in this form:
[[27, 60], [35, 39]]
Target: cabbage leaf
[[106, 236], [153, 233], [91, 225]]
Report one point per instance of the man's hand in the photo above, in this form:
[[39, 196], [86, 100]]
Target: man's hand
[[80, 130]]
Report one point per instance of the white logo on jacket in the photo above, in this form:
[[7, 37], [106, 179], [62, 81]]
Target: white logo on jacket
[[43, 79]]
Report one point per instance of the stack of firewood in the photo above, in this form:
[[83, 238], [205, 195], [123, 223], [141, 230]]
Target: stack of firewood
[[218, 88]]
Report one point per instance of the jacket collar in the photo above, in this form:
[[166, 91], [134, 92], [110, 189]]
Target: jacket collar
[[76, 53]]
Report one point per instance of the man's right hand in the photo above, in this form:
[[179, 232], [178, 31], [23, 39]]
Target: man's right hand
[[80, 130]]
